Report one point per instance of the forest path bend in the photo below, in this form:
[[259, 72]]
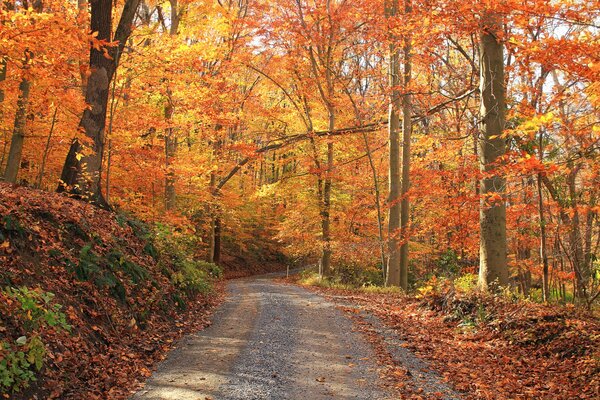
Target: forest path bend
[[270, 341]]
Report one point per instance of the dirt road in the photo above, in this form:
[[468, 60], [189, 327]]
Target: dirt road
[[269, 341]]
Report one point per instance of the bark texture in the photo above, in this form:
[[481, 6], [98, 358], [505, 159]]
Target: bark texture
[[82, 169], [393, 268], [18, 137], [406, 138], [493, 270], [170, 138]]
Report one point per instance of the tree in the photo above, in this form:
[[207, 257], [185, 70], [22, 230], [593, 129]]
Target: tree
[[493, 269], [81, 175], [393, 276], [170, 137], [406, 138], [18, 138]]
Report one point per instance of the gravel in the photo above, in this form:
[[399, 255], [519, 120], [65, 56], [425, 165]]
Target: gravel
[[270, 341]]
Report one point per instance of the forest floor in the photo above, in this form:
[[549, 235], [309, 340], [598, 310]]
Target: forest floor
[[272, 340]]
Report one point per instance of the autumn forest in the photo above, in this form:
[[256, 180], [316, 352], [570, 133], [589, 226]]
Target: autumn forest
[[429, 165]]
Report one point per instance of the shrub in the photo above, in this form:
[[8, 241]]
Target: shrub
[[36, 308], [466, 283], [447, 264], [356, 275], [175, 253], [191, 278], [33, 310], [19, 362], [117, 261]]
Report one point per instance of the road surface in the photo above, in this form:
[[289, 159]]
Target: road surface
[[270, 341]]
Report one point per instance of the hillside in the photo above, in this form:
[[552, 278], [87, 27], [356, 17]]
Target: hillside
[[95, 300]]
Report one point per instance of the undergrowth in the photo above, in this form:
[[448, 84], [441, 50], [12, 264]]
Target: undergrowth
[[29, 312], [81, 288]]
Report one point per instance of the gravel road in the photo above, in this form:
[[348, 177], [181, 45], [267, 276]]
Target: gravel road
[[270, 341]]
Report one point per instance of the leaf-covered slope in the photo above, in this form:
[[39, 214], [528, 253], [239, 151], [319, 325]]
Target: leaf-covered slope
[[108, 281]]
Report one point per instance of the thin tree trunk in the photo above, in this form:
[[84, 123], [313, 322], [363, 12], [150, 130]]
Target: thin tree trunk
[[406, 137], [326, 211], [46, 151], [575, 239], [108, 165], [18, 137], [2, 79], [493, 270], [211, 215], [211, 241], [170, 151], [543, 254], [217, 248], [393, 268], [377, 203], [170, 138], [109, 135]]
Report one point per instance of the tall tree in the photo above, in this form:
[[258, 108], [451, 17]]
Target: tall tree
[[82, 169], [395, 105], [18, 138], [406, 138], [493, 268], [170, 137]]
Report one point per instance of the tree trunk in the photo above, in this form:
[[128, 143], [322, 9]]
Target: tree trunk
[[325, 212], [170, 139], [211, 241], [40, 177], [493, 270], [575, 238], [2, 79], [170, 151], [18, 138], [217, 247], [4, 133], [406, 137], [543, 254], [393, 269], [81, 174]]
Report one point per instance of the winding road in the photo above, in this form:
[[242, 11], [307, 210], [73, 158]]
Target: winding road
[[270, 340]]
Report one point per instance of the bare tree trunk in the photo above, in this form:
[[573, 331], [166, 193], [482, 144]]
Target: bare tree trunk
[[18, 137], [377, 205], [211, 215], [5, 132], [2, 79], [211, 241], [325, 212], [15, 151], [217, 248], [543, 254], [170, 138], [575, 238], [393, 268], [46, 151], [170, 151], [81, 174], [493, 270], [406, 137]]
